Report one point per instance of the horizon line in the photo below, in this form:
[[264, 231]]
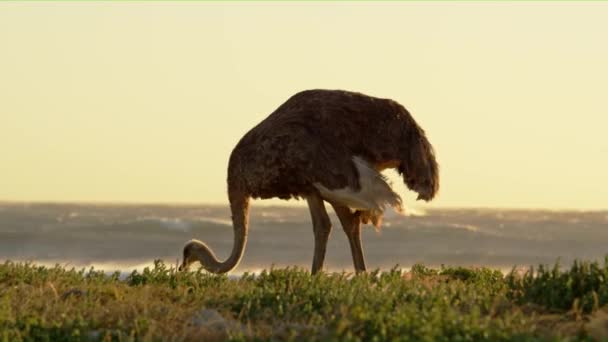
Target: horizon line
[[286, 203]]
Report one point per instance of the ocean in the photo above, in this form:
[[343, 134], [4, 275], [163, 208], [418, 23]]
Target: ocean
[[127, 237]]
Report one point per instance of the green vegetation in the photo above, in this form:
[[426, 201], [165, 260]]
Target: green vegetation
[[448, 304]]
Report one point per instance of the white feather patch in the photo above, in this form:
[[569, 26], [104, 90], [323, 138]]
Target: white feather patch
[[375, 193]]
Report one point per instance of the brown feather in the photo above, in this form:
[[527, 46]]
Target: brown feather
[[314, 135]]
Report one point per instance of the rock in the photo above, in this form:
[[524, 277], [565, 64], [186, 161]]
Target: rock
[[211, 319], [216, 325]]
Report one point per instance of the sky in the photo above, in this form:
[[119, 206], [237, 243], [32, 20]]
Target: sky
[[143, 102]]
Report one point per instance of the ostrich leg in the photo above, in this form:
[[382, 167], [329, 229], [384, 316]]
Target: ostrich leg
[[351, 223], [321, 227]]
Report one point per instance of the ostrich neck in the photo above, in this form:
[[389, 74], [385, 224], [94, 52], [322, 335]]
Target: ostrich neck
[[240, 213]]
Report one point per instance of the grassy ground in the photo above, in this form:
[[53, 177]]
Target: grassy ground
[[160, 304]]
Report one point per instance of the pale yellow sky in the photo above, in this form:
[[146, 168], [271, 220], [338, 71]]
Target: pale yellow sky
[[144, 101]]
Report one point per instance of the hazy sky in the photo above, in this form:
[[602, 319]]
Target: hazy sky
[[144, 101]]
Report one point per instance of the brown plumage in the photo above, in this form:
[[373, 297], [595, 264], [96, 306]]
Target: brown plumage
[[325, 145]]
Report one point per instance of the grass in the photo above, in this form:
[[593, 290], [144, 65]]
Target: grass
[[447, 304]]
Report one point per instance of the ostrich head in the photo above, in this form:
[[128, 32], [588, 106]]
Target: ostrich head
[[419, 168], [188, 257], [194, 251]]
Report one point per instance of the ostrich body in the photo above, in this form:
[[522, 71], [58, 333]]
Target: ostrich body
[[325, 145]]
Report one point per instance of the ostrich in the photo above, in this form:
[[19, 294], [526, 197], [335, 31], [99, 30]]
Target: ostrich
[[325, 145]]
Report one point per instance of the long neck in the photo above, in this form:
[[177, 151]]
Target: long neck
[[239, 206]]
